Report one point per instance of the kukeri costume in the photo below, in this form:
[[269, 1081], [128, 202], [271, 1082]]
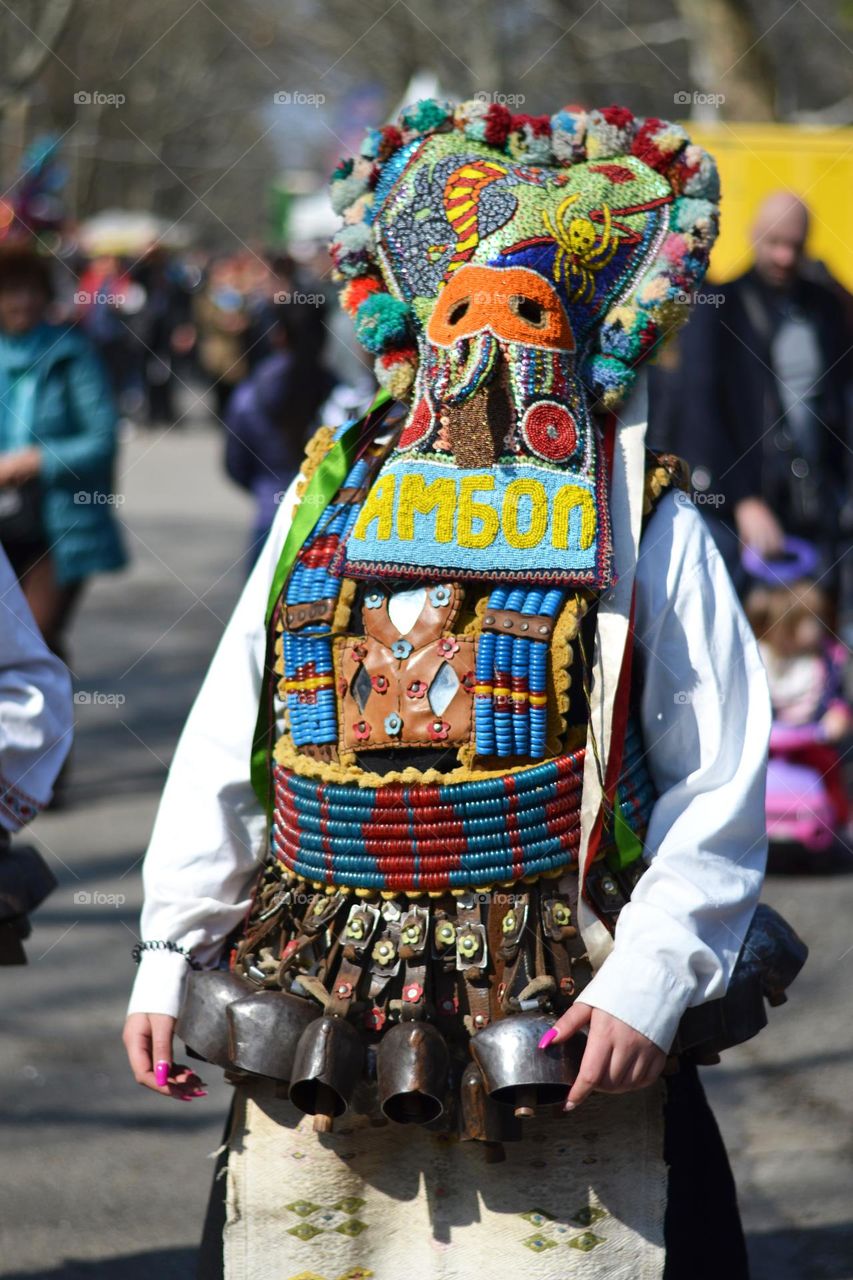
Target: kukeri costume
[[492, 724]]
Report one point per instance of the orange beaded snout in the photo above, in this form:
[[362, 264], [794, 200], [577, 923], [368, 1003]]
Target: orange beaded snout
[[515, 303]]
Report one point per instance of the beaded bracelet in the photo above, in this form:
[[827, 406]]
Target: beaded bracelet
[[160, 945]]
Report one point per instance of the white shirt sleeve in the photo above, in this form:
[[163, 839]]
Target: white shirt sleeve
[[705, 716], [36, 714], [208, 835]]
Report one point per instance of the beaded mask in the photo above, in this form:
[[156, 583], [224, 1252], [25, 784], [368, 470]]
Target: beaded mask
[[510, 273]]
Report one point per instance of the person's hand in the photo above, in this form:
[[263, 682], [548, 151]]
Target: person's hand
[[617, 1059], [758, 527], [148, 1040], [836, 722], [20, 465]]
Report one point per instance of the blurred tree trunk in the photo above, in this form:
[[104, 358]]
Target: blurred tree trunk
[[46, 28], [27, 42], [727, 56]]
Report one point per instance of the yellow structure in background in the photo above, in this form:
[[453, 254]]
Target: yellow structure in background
[[755, 159]]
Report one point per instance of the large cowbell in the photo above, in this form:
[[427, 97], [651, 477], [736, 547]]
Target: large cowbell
[[203, 1020], [228, 1021], [328, 1066], [516, 1072], [413, 1069]]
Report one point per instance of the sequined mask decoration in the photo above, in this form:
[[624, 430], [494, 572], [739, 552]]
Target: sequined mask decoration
[[503, 272]]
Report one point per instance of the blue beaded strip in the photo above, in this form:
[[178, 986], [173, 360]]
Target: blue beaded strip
[[510, 708], [502, 696], [484, 707], [635, 791], [307, 653]]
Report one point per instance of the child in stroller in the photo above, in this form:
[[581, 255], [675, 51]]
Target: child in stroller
[[807, 801]]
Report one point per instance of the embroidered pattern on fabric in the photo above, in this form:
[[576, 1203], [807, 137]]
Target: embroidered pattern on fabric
[[15, 805]]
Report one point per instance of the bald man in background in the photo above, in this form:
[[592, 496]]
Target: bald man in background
[[757, 398]]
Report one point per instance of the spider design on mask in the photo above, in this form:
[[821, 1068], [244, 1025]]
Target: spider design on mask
[[582, 249]]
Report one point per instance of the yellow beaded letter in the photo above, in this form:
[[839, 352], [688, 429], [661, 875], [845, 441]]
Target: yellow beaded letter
[[469, 511], [417, 495], [567, 499], [535, 491], [379, 506]]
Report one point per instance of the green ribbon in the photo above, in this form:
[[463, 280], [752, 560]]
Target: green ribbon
[[629, 846], [321, 489]]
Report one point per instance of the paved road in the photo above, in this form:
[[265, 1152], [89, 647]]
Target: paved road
[[100, 1179]]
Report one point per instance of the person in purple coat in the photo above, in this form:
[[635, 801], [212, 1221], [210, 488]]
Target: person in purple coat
[[272, 413]]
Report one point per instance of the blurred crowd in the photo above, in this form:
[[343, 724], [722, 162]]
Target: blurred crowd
[[93, 345]]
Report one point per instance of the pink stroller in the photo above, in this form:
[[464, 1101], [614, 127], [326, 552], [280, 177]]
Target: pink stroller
[[802, 799]]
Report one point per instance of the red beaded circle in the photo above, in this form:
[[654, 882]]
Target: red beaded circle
[[549, 431]]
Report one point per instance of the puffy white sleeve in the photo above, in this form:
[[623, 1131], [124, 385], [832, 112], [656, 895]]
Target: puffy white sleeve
[[705, 715], [36, 714], [208, 835]]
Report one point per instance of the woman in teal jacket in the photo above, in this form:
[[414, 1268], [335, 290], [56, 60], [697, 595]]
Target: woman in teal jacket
[[57, 449]]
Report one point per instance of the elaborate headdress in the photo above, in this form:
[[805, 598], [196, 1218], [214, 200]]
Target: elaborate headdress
[[510, 273], [618, 213]]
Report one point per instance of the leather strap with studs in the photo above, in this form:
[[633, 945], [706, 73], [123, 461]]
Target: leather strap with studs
[[508, 622], [472, 958], [344, 990]]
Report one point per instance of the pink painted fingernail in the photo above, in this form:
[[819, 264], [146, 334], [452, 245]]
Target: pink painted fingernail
[[550, 1034], [161, 1073], [199, 1093]]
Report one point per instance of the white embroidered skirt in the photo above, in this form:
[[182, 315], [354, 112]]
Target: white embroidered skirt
[[581, 1195]]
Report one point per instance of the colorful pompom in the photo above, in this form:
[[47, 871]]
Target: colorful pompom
[[529, 139], [470, 117], [346, 186], [426, 116], [351, 249], [657, 142], [354, 292], [396, 372], [498, 124], [609, 132], [568, 134], [382, 322], [608, 378]]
